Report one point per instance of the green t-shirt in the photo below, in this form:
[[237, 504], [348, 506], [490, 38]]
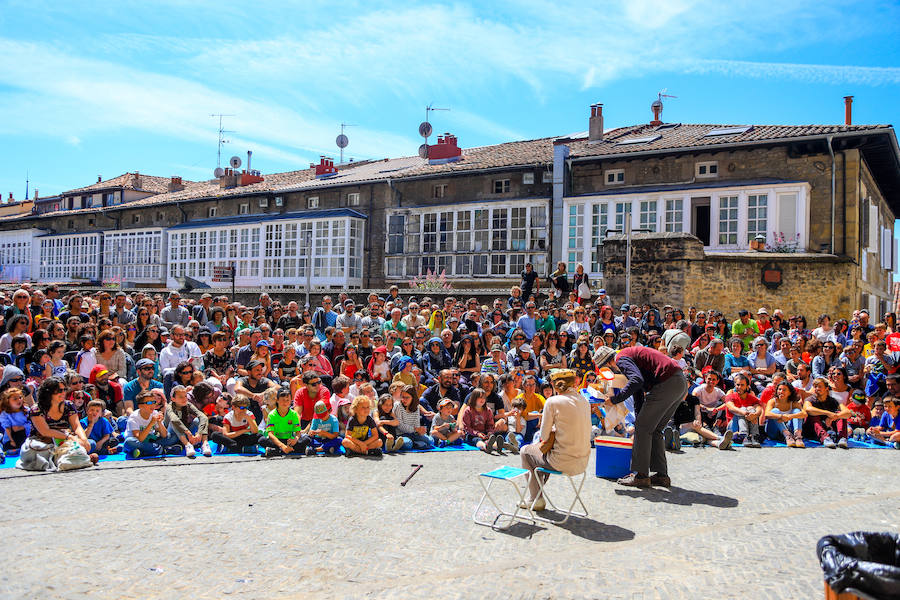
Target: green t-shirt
[[285, 426], [747, 332]]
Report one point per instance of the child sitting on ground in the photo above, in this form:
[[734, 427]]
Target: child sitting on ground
[[362, 431], [884, 430], [478, 424], [743, 411], [98, 429], [387, 424], [323, 431], [144, 430], [238, 432], [188, 423], [283, 430], [14, 419], [443, 426], [860, 415]]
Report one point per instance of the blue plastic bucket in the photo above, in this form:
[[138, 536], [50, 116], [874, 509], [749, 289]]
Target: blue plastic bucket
[[612, 457]]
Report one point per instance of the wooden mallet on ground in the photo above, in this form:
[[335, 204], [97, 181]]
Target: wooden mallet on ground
[[416, 470]]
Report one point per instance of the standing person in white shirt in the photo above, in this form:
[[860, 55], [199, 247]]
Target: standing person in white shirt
[[178, 350]]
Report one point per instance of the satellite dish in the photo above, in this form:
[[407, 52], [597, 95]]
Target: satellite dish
[[219, 172], [342, 141], [235, 162], [423, 151], [425, 129]]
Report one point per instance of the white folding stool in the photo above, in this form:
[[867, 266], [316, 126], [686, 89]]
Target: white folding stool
[[576, 500], [510, 475]]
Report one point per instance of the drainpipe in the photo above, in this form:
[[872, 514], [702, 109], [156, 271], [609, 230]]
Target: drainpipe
[[844, 204], [184, 216], [829, 139], [557, 214]]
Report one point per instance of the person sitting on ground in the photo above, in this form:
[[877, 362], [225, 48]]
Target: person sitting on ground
[[710, 396], [883, 429], [15, 425], [187, 423], [827, 417], [785, 415], [144, 428], [478, 424], [688, 419], [444, 428], [744, 412], [283, 430], [860, 415], [409, 426], [323, 431], [387, 424], [99, 430], [306, 397], [362, 431], [239, 432]]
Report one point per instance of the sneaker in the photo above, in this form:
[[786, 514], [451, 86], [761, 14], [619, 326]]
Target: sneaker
[[725, 442], [511, 443], [136, 453], [842, 443], [310, 451], [633, 480], [270, 452], [349, 453], [668, 438], [896, 445], [205, 449], [189, 451], [752, 442], [660, 480], [175, 450], [676, 440], [489, 444], [498, 443], [249, 450], [540, 505], [398, 444], [375, 452], [829, 443], [331, 451], [798, 442]]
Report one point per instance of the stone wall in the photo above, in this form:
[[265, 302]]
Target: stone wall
[[672, 268]]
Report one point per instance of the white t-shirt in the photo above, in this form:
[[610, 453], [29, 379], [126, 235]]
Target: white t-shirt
[[236, 424], [823, 334], [799, 384], [709, 399], [136, 422]]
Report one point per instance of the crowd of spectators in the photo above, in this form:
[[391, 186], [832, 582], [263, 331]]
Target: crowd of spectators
[[151, 374]]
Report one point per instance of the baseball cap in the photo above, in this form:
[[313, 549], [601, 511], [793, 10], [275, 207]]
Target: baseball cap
[[525, 348], [444, 402], [625, 307], [762, 311], [254, 363], [144, 362], [262, 343], [602, 291], [321, 408], [496, 347]]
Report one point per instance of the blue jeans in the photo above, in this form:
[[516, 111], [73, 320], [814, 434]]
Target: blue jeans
[[325, 444], [416, 440], [173, 435], [531, 427], [147, 448], [775, 429]]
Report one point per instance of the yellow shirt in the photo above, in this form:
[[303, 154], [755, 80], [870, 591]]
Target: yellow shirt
[[535, 404]]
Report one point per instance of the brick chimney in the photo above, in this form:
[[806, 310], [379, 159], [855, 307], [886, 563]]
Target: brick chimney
[[99, 178], [175, 184], [325, 168], [10, 198], [595, 124], [229, 179], [848, 109], [35, 193], [446, 150], [135, 180]]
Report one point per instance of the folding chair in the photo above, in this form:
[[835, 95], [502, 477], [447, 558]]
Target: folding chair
[[576, 500], [510, 475]]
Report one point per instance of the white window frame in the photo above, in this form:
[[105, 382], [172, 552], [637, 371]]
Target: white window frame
[[279, 201], [312, 202], [614, 176], [353, 199], [244, 209], [709, 168], [439, 190], [212, 211], [673, 215], [528, 178], [463, 250], [503, 184]]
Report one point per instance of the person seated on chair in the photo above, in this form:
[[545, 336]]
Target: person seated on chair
[[566, 420]]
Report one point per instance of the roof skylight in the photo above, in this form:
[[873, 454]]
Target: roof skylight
[[640, 140], [728, 130]]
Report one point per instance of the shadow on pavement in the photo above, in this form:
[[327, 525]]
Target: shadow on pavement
[[681, 496], [595, 531], [521, 530]]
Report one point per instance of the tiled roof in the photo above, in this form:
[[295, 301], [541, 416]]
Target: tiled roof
[[511, 154], [148, 183], [695, 136]]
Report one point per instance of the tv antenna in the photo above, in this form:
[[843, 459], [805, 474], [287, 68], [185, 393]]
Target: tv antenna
[[342, 140], [657, 105], [425, 129], [222, 139]]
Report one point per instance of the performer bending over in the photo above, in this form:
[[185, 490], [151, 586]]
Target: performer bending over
[[658, 386]]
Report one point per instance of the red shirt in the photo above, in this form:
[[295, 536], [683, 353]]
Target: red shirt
[[893, 342], [305, 404], [749, 400], [860, 415]]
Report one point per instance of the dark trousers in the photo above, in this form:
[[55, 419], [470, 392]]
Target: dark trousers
[[18, 437], [815, 428], [300, 446], [648, 453], [235, 444]]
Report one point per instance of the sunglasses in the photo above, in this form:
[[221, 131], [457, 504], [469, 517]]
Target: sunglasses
[[191, 372], [314, 382]]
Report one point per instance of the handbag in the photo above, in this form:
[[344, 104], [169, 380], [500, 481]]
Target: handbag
[[547, 445], [584, 290], [71, 455]]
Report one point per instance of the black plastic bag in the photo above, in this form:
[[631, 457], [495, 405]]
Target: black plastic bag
[[863, 563]]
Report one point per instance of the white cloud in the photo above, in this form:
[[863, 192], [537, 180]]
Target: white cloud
[[798, 72]]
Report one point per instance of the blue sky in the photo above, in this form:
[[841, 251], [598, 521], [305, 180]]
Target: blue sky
[[100, 88]]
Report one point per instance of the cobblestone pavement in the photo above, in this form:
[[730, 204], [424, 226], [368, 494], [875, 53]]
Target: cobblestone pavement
[[740, 524]]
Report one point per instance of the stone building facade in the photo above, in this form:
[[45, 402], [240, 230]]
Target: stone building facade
[[479, 214]]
